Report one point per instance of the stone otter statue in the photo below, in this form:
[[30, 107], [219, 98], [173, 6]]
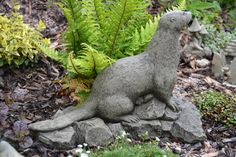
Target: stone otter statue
[[117, 88]]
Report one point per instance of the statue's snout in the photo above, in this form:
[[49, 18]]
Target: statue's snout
[[188, 15]]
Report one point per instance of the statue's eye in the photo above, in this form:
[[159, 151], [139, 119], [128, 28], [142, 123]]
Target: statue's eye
[[172, 20]]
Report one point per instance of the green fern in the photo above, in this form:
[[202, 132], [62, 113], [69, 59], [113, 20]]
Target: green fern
[[141, 38], [121, 12], [87, 64], [53, 54], [103, 25], [180, 6], [99, 32], [79, 30]]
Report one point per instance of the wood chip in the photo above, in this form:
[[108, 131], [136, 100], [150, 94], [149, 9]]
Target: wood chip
[[229, 140], [213, 154]]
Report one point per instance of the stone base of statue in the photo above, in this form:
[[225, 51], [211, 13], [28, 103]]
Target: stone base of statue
[[156, 120]]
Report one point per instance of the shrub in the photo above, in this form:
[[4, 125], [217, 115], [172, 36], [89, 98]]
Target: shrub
[[17, 41], [217, 106]]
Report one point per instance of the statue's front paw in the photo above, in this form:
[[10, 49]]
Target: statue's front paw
[[130, 118], [173, 106]]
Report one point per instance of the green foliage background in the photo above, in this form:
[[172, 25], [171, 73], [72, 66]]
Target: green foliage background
[[212, 12]]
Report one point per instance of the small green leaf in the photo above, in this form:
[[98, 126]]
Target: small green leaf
[[41, 26]]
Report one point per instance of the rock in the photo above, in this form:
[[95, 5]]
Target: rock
[[140, 129], [188, 127], [170, 115], [60, 139], [208, 52], [177, 150], [151, 110], [202, 63], [166, 125], [195, 26], [232, 77], [217, 64], [230, 51], [203, 30], [94, 132], [116, 129], [197, 146]]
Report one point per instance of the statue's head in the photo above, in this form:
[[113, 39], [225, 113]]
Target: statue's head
[[175, 20]]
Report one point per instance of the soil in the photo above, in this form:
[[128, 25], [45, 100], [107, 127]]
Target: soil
[[35, 92]]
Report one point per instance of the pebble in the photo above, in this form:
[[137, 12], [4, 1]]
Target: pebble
[[202, 63], [177, 150]]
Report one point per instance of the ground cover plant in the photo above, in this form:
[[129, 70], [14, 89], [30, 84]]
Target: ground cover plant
[[125, 147], [217, 40], [130, 150], [218, 106]]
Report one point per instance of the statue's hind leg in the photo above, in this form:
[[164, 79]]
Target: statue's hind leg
[[117, 108]]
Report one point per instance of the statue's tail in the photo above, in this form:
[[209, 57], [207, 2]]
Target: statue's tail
[[86, 112]]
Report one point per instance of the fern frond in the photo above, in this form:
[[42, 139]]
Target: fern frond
[[100, 60], [179, 7], [82, 65], [142, 38], [120, 14], [53, 54], [138, 19], [182, 5], [71, 66], [78, 30], [95, 16], [94, 10], [89, 63]]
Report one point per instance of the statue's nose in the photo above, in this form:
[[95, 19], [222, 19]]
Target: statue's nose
[[187, 13]]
